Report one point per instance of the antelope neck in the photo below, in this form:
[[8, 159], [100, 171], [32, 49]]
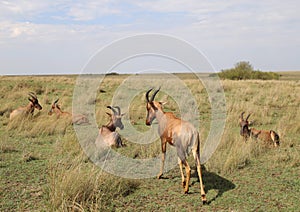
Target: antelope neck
[[159, 114], [110, 126], [30, 107]]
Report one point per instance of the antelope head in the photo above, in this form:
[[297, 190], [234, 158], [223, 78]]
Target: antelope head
[[152, 106], [244, 124], [34, 101], [53, 106], [116, 117]]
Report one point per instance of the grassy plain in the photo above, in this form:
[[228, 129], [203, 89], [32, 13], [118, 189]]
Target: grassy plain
[[43, 167]]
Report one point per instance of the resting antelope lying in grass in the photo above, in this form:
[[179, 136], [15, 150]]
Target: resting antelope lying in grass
[[107, 133], [268, 136], [76, 118], [178, 133], [244, 124], [29, 109]]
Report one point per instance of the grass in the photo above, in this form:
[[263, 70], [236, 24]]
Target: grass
[[43, 167], [77, 184], [289, 75]]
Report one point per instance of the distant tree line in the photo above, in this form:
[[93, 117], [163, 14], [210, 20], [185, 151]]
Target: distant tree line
[[244, 70]]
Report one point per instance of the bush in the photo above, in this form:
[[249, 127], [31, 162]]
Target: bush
[[112, 74], [244, 70]]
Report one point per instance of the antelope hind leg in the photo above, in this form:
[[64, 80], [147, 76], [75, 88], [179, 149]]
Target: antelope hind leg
[[183, 183], [203, 195], [188, 176]]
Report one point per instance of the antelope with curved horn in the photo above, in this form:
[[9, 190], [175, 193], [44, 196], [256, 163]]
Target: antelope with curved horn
[[29, 109], [244, 124], [178, 133], [107, 133], [76, 118], [268, 136]]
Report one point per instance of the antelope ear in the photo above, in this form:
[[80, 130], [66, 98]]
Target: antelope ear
[[163, 103], [123, 114], [30, 100]]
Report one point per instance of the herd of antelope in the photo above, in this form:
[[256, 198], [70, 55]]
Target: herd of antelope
[[34, 104], [171, 129]]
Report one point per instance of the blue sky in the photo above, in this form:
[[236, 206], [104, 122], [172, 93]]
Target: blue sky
[[57, 37]]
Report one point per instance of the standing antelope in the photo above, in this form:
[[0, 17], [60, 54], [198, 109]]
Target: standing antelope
[[76, 118], [107, 133], [178, 133], [29, 109], [268, 136]]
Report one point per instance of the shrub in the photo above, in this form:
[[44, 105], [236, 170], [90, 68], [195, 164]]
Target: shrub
[[244, 70]]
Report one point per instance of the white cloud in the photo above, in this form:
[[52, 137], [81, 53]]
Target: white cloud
[[18, 9], [189, 6], [85, 11], [12, 32], [227, 30]]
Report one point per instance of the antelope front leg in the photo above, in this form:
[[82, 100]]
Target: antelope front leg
[[163, 148]]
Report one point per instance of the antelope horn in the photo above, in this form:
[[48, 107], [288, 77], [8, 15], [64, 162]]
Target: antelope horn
[[153, 96], [242, 114], [115, 112], [147, 94], [32, 95], [248, 116], [119, 110], [55, 101]]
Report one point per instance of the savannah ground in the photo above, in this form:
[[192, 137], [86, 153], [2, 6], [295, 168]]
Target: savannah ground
[[43, 167]]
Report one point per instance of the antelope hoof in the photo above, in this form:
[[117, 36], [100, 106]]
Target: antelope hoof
[[159, 176], [186, 192], [204, 201]]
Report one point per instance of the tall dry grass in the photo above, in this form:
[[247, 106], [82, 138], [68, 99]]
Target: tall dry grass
[[273, 105], [74, 183], [38, 125]]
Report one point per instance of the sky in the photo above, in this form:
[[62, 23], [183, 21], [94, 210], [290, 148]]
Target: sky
[[60, 37]]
